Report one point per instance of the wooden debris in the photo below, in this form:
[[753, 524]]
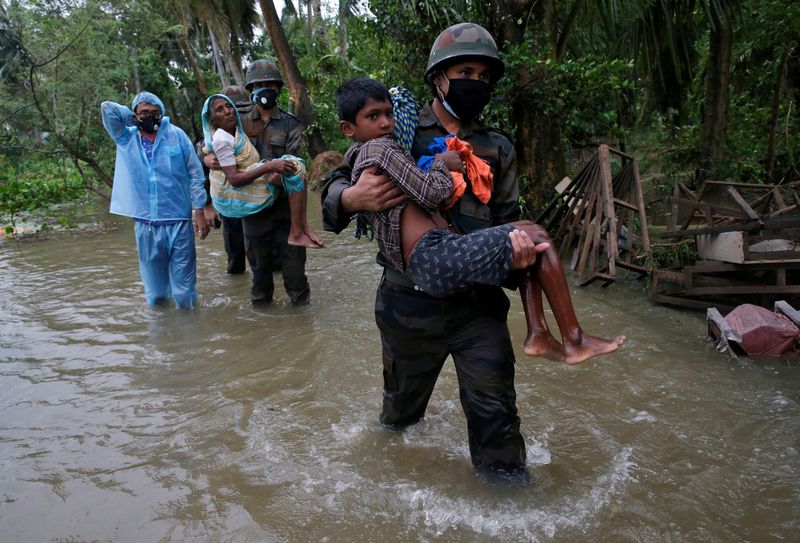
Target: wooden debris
[[600, 218], [747, 245]]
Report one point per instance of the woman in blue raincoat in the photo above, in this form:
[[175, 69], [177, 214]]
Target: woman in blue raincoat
[[158, 179]]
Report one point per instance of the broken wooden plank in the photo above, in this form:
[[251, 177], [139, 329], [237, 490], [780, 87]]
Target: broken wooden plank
[[721, 331], [783, 307], [743, 289], [744, 205]]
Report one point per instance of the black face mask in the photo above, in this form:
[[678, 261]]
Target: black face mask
[[149, 124], [466, 98], [266, 98]]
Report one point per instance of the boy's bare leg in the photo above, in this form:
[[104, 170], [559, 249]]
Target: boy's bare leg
[[540, 341], [300, 233], [577, 344]]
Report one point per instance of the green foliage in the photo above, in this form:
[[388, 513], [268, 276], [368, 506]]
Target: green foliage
[[671, 255], [34, 185], [628, 71], [586, 94]]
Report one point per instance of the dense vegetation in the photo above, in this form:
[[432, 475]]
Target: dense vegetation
[[698, 88]]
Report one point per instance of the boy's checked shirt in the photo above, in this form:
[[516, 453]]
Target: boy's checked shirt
[[428, 189]]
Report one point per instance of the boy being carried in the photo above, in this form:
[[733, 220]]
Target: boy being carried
[[242, 186], [419, 243]]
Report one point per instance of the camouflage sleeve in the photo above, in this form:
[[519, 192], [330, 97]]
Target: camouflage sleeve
[[334, 219], [294, 140], [505, 195]]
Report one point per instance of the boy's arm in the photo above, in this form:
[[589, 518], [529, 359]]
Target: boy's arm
[[341, 198], [428, 189], [116, 120]]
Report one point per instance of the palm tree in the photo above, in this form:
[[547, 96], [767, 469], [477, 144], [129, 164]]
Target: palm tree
[[294, 79]]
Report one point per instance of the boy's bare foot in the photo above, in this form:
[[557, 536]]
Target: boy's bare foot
[[590, 346], [303, 239], [544, 345]]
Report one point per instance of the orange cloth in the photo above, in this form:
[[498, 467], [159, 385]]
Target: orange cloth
[[478, 172]]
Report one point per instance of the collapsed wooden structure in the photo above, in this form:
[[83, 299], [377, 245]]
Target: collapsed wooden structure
[[747, 239], [600, 218]]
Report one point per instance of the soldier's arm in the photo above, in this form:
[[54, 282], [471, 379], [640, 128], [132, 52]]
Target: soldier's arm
[[334, 217], [341, 198], [116, 120], [294, 140]]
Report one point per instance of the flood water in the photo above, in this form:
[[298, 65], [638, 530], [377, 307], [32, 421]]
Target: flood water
[[123, 422]]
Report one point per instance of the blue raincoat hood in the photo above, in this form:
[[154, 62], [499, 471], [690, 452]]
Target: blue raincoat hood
[[148, 98]]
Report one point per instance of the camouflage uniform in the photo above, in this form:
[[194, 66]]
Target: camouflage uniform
[[267, 232], [419, 331]]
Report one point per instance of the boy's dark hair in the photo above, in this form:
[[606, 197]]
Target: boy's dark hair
[[353, 93]]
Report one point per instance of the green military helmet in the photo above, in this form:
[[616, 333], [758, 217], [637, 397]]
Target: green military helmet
[[262, 71], [237, 95], [464, 40]]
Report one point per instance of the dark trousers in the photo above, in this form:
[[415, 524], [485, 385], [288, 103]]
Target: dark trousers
[[233, 235], [419, 331], [266, 234]]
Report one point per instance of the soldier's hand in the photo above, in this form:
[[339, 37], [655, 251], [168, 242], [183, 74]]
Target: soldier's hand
[[523, 249], [211, 162], [282, 167], [372, 192]]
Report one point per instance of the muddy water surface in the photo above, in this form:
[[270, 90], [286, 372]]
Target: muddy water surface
[[122, 422]]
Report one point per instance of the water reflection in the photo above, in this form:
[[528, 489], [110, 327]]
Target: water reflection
[[130, 423]]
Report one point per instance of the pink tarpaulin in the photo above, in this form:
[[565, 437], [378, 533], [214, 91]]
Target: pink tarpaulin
[[763, 332]]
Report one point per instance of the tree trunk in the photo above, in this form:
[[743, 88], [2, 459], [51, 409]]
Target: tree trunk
[[309, 21], [288, 9], [540, 152], [566, 31], [198, 73], [343, 28], [137, 83], [776, 106], [235, 59], [220, 65], [715, 110], [294, 79]]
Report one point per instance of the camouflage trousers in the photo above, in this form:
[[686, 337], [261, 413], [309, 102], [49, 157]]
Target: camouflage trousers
[[419, 331], [266, 234]]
